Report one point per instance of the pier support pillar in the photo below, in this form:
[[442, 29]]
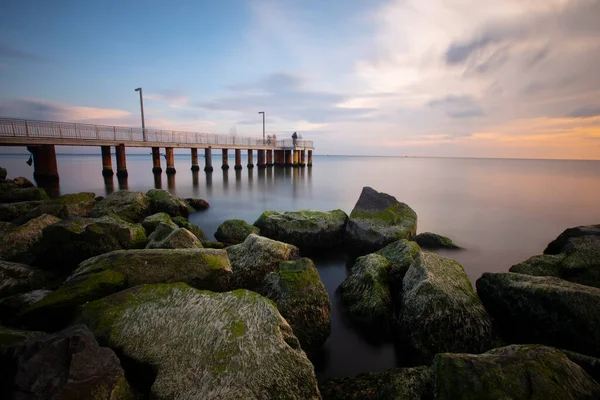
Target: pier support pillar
[[195, 166], [302, 158], [262, 163], [238, 159], [269, 158], [279, 158], [296, 160], [106, 161], [45, 168], [156, 168], [309, 158], [250, 159], [121, 161], [288, 158], [208, 160], [170, 160], [225, 157]]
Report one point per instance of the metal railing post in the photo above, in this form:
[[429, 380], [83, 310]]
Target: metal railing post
[[26, 129], [13, 126], [97, 137], [115, 132]]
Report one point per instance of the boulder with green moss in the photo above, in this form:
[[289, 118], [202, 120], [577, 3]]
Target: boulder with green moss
[[512, 372], [256, 257], [10, 336], [19, 278], [201, 344], [541, 309], [152, 221], [163, 201], [401, 255], [19, 182], [78, 204], [179, 238], [440, 310], [234, 231], [184, 223], [23, 194], [12, 307], [58, 210], [12, 211], [65, 365], [302, 300], [127, 205], [377, 220], [365, 293], [209, 244], [21, 244], [558, 244], [306, 229], [393, 384], [429, 240], [197, 204]]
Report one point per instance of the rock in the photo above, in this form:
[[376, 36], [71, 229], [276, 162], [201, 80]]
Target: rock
[[589, 364], [129, 206], [234, 231], [151, 222], [3, 174], [302, 300], [546, 310], [11, 211], [306, 229], [393, 384], [256, 257], [18, 278], [440, 310], [6, 227], [180, 238], [401, 255], [78, 204], [430, 240], [12, 307], [512, 372], [22, 182], [197, 204], [365, 292], [578, 262], [212, 245], [9, 336], [65, 365], [22, 194], [556, 246], [20, 245], [69, 242], [377, 220], [184, 223], [200, 344], [112, 272], [59, 211], [163, 201]]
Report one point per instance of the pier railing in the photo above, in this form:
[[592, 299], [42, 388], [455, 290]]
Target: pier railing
[[118, 134]]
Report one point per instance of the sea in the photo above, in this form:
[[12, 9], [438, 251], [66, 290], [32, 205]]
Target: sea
[[501, 211]]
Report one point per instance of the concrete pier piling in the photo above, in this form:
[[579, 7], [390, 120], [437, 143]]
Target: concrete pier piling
[[309, 158], [238, 159], [170, 160], [250, 159], [296, 161], [289, 158], [44, 162], [156, 168], [208, 160], [225, 157], [302, 158], [262, 162], [195, 166], [269, 158], [121, 161], [106, 161]]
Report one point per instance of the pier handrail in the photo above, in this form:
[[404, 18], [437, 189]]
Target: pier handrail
[[10, 127]]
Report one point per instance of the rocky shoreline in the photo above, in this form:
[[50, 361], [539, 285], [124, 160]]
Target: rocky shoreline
[[122, 297]]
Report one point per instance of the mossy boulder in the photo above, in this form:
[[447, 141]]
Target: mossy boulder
[[184, 223], [540, 309], [366, 294], [256, 257], [65, 365], [306, 229], [12, 211], [13, 306], [302, 300], [78, 204], [9, 336], [197, 204], [377, 220], [163, 201], [234, 231], [512, 372], [19, 278], [201, 344], [21, 244], [19, 182], [429, 240], [152, 221], [440, 310], [23, 194], [127, 205], [58, 210], [401, 255], [209, 244], [558, 244], [179, 238], [393, 384]]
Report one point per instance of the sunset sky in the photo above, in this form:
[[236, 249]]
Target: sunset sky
[[456, 78]]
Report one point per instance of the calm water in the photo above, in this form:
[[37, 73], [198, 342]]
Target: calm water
[[501, 211]]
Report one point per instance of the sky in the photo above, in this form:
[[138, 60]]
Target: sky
[[442, 78]]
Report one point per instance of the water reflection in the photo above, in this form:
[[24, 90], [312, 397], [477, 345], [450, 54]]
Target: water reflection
[[109, 185], [123, 182], [171, 182], [195, 176]]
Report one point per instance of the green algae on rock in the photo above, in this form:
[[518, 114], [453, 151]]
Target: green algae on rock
[[184, 223], [19, 278], [302, 300], [152, 221], [197, 204], [127, 205], [234, 231], [9, 336], [429, 240], [306, 229], [22, 194], [512, 372], [12, 211], [21, 244], [401, 255], [163, 201], [203, 344], [179, 238]]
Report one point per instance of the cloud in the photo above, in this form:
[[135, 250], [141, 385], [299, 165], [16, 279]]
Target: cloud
[[585, 112], [52, 111], [174, 97], [458, 106], [10, 52]]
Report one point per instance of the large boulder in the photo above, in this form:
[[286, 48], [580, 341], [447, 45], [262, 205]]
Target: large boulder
[[184, 223], [179, 238], [302, 300], [366, 294], [22, 194], [78, 204], [10, 336], [440, 310], [547, 310], [13, 306], [19, 278], [12, 211], [557, 245], [377, 220], [152, 221], [65, 365], [306, 229], [256, 257], [163, 201], [197, 204], [393, 384], [401, 255], [512, 372], [20, 245], [429, 240], [234, 231], [201, 344], [127, 205]]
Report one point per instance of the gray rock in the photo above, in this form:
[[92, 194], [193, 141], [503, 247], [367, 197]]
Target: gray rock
[[430, 240], [12, 307], [163, 201], [21, 244], [22, 194], [180, 238], [556, 246], [18, 278], [232, 345], [127, 205], [197, 204], [234, 231], [152, 221], [12, 211]]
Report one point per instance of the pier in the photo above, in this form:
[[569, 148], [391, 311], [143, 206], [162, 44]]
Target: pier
[[41, 137]]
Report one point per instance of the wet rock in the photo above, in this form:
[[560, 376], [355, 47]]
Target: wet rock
[[151, 222], [377, 220], [19, 278], [440, 310], [10, 336], [20, 245], [401, 255], [6, 227], [163, 201], [65, 365], [12, 211], [589, 364], [12, 307], [512, 372], [184, 223], [17, 183], [306, 229], [3, 174], [234, 231], [393, 384], [212, 245], [179, 238], [302, 300], [540, 309], [430, 240], [78, 204], [197, 204], [557, 245], [22, 194], [127, 205], [228, 345], [256, 257], [59, 211]]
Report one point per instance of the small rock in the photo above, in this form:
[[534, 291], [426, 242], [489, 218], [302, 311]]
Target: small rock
[[127, 205], [180, 238], [163, 201], [430, 240], [234, 231], [197, 204], [20, 245], [18, 278]]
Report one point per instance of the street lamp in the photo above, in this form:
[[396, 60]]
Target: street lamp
[[142, 108], [263, 113]]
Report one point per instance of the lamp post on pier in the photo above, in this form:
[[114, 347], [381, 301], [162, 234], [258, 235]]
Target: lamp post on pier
[[263, 114], [142, 109]]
